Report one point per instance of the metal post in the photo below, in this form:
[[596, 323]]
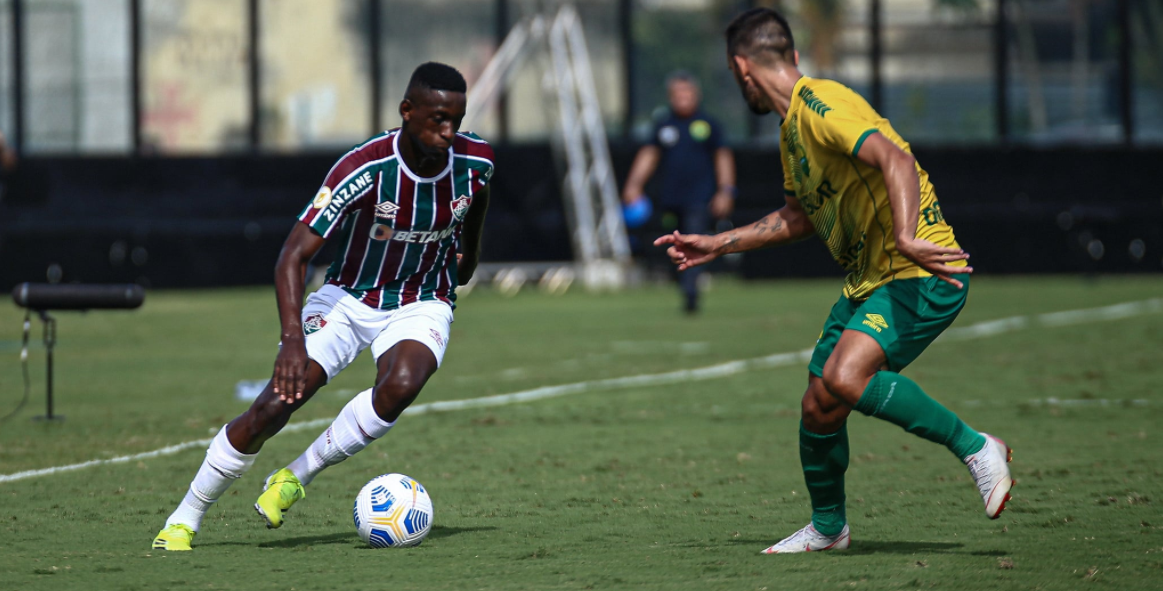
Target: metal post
[[502, 31], [1126, 72], [253, 73], [876, 53], [1001, 73], [50, 339], [18, 75], [135, 72], [377, 74], [626, 28]]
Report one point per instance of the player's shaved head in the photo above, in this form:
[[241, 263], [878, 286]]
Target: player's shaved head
[[435, 76], [761, 35], [432, 109]]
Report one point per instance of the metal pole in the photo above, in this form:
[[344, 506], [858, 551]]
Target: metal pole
[[1126, 72], [377, 74], [135, 72], [1001, 73], [18, 75], [876, 53], [500, 33], [50, 339], [253, 78], [626, 28]]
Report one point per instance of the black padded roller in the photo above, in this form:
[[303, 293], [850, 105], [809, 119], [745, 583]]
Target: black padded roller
[[77, 296]]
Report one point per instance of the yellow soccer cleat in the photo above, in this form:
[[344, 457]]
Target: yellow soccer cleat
[[281, 490], [176, 537]]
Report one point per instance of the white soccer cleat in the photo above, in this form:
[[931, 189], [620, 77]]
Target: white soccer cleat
[[991, 473], [810, 540]]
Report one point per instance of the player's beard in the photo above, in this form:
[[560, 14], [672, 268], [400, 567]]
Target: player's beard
[[752, 96], [754, 99]]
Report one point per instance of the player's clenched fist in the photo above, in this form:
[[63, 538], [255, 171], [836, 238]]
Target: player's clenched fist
[[688, 250]]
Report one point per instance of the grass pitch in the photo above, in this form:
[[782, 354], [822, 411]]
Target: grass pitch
[[675, 486]]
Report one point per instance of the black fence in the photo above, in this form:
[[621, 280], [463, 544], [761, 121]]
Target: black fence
[[195, 222]]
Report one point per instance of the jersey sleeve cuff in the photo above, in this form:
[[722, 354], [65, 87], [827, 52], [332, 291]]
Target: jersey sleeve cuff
[[860, 142]]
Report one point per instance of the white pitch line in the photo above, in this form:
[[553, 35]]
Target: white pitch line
[[730, 368]]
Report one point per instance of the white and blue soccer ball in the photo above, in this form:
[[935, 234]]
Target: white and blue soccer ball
[[393, 511]]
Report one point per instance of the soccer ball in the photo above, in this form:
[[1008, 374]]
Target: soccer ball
[[393, 511]]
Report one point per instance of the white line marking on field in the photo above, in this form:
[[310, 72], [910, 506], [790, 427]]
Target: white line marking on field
[[730, 368]]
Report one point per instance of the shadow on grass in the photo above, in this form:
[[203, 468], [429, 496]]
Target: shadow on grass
[[443, 531], [438, 531], [336, 538], [865, 547], [874, 547]]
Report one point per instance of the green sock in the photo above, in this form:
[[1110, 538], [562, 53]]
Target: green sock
[[825, 459], [900, 401]]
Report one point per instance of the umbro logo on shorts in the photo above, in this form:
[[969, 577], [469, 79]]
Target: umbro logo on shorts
[[875, 322]]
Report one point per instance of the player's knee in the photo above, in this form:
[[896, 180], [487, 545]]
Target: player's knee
[[398, 390], [844, 383], [816, 418], [810, 411]]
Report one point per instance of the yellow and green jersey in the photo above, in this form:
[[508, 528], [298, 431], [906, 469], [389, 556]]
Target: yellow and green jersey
[[845, 199]]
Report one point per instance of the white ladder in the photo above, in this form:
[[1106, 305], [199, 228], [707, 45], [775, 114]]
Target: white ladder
[[598, 233]]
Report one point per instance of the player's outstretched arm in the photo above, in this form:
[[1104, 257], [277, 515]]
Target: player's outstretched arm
[[290, 377], [470, 240], [904, 196], [786, 224]]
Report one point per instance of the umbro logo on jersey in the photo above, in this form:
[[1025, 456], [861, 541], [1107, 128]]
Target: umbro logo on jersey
[[460, 207], [387, 210], [875, 322]]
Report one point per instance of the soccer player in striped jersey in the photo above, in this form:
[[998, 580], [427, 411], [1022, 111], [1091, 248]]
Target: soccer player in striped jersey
[[407, 208], [851, 180]]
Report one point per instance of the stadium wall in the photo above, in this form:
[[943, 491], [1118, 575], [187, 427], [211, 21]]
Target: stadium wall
[[201, 222]]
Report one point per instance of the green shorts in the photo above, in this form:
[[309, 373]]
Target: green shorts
[[904, 316]]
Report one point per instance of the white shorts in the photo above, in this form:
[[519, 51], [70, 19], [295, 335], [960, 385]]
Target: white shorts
[[339, 327]]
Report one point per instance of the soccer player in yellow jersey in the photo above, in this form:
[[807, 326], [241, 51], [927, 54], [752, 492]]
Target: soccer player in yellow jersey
[[851, 180]]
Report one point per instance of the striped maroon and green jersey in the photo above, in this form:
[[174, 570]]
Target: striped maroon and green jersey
[[398, 232]]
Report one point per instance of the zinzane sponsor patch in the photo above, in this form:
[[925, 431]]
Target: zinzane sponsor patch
[[313, 323]]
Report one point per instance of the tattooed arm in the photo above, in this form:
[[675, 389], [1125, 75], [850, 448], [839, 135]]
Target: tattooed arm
[[787, 224]]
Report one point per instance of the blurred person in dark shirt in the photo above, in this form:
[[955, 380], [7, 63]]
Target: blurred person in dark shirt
[[698, 172]]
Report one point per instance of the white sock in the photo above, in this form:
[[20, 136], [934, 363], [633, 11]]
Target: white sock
[[356, 426], [222, 466]]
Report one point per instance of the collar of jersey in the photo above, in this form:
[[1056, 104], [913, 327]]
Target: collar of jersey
[[408, 171], [795, 95]]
